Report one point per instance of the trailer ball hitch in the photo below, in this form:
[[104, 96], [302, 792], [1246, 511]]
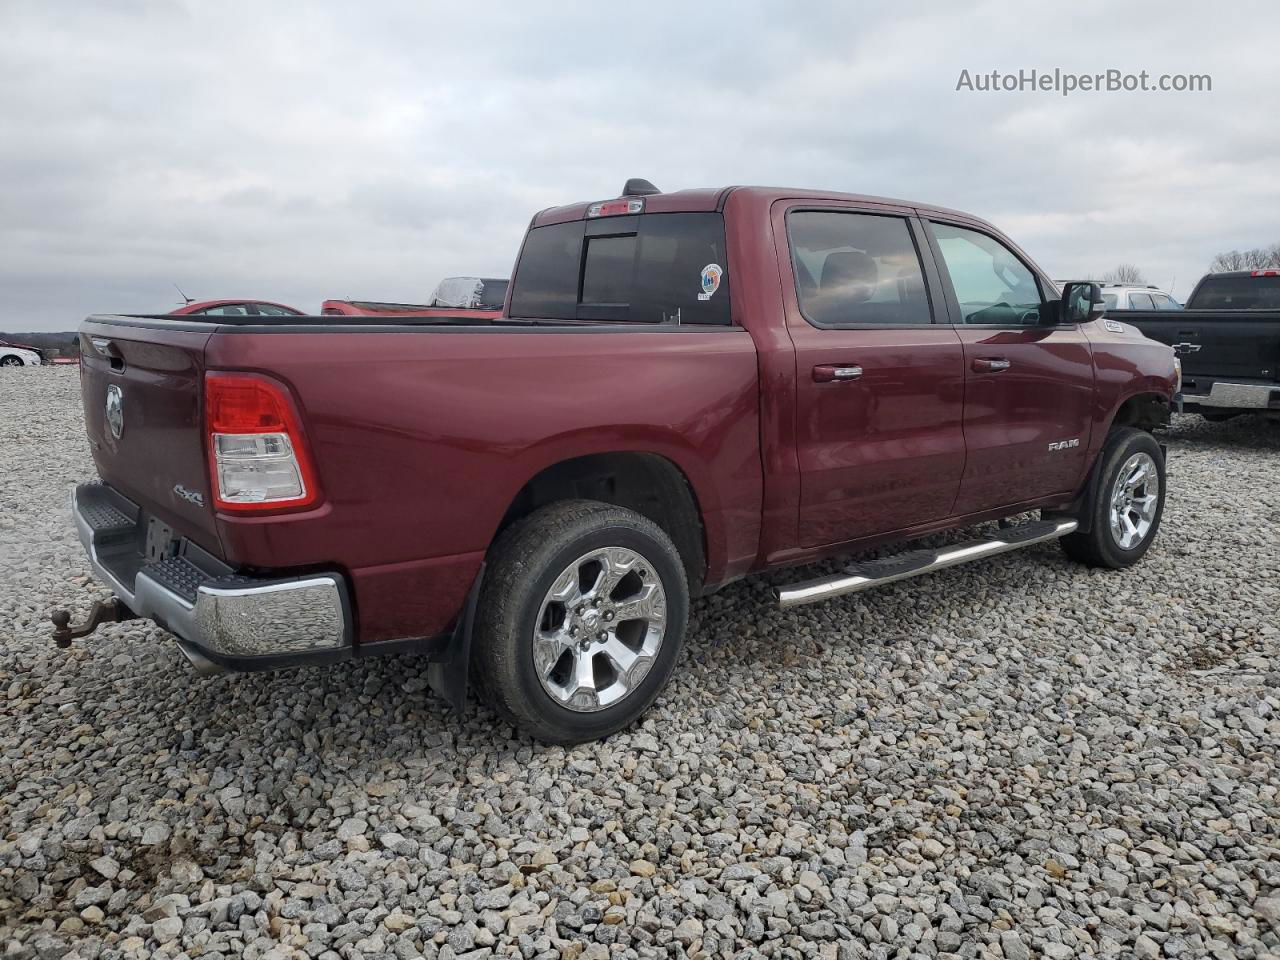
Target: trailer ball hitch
[[111, 611]]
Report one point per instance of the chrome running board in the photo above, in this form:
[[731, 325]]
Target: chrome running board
[[874, 573]]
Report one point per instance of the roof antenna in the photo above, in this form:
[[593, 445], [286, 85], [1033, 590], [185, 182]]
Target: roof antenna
[[185, 298], [636, 187]]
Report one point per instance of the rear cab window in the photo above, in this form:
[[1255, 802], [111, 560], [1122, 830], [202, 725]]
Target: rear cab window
[[1237, 293], [647, 268]]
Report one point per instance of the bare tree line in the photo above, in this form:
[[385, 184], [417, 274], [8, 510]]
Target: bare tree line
[[1125, 273], [1259, 258]]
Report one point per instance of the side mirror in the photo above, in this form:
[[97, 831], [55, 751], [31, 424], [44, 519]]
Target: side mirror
[[1081, 302]]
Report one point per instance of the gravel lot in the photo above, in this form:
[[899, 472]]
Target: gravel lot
[[1014, 759]]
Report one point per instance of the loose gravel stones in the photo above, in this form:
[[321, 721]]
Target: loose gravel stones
[[1019, 758]]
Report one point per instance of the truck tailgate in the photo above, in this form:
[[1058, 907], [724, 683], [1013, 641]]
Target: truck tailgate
[[142, 389], [1243, 344]]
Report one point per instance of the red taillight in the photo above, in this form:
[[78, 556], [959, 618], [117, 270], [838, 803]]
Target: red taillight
[[1265, 273], [616, 208], [258, 456]]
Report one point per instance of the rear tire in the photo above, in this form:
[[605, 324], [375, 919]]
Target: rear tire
[[1130, 502], [580, 621]]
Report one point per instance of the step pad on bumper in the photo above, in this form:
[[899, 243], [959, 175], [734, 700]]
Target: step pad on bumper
[[185, 578]]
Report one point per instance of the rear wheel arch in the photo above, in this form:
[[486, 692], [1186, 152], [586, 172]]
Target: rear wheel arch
[[652, 485]]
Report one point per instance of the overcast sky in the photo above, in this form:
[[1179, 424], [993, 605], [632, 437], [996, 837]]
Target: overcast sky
[[299, 152]]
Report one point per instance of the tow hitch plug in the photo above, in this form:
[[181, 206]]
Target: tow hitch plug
[[112, 611]]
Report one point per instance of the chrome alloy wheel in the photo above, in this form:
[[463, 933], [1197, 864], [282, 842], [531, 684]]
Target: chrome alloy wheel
[[1134, 499], [599, 629]]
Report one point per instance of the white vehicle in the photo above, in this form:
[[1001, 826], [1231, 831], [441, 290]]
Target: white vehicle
[[1124, 296], [11, 356]]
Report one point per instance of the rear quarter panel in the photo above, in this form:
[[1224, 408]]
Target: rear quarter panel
[[423, 439]]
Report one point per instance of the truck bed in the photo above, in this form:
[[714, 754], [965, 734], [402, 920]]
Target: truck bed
[[423, 432]]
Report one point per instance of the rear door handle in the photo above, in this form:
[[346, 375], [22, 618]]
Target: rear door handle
[[990, 364], [830, 372]]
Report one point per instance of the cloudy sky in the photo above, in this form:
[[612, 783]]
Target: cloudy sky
[[301, 151]]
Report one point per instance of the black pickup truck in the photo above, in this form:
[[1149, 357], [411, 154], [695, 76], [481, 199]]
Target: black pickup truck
[[1228, 339]]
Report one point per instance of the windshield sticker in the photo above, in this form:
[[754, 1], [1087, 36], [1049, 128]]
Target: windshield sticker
[[711, 275]]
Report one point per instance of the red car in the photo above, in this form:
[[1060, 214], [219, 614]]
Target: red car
[[476, 298], [684, 389], [236, 308]]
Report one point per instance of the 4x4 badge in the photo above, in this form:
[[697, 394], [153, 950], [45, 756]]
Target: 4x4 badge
[[189, 495]]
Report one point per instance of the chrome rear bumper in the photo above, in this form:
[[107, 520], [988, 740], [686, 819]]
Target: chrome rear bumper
[[223, 620], [1238, 396]]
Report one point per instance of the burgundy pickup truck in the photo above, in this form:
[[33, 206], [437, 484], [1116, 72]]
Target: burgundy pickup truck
[[684, 388]]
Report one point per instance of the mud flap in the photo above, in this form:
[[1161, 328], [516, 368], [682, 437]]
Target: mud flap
[[447, 675], [1081, 508]]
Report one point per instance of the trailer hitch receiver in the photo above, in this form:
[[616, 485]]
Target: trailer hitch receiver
[[111, 611]]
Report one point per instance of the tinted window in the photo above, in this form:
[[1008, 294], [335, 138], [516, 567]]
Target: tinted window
[[547, 281], [656, 268], [991, 283], [854, 268], [493, 294], [1237, 293], [1165, 303], [1109, 299], [271, 310], [1141, 301], [606, 273], [226, 310]]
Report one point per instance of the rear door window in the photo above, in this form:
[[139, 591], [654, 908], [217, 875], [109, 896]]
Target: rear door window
[[1141, 301], [651, 268], [855, 268]]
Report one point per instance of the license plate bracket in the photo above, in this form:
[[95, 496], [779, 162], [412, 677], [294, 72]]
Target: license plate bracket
[[160, 543]]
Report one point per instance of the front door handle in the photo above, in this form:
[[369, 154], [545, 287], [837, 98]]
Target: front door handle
[[990, 364], [830, 372]]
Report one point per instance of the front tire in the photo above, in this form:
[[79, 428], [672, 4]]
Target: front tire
[[581, 617], [1130, 502], [11, 362]]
